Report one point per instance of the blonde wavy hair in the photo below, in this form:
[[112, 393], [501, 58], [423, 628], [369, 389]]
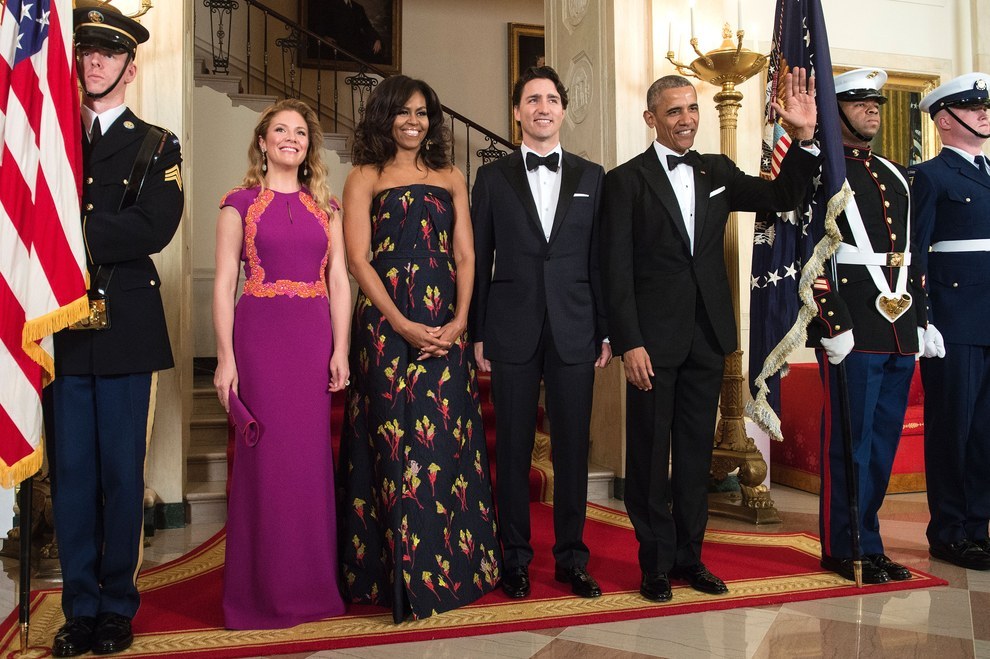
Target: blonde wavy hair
[[316, 177]]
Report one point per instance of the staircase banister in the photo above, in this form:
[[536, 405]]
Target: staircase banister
[[367, 66]]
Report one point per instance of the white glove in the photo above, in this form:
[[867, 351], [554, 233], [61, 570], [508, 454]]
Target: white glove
[[838, 346], [930, 343]]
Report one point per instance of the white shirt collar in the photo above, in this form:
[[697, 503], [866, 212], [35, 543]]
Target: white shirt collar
[[107, 117], [663, 152]]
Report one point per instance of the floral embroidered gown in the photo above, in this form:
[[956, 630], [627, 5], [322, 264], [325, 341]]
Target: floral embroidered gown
[[417, 521]]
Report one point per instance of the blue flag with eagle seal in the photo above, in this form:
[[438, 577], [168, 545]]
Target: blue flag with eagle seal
[[790, 249]]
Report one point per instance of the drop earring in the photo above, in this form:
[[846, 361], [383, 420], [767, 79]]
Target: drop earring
[[305, 170], [264, 161], [428, 143]]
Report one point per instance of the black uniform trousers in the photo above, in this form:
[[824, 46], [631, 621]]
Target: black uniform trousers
[[96, 450], [878, 393], [957, 443], [670, 434], [516, 394]]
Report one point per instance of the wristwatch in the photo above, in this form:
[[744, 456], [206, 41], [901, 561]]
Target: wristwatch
[[807, 144]]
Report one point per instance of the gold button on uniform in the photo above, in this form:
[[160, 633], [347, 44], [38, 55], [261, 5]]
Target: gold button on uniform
[[838, 327], [831, 313], [893, 236], [125, 181], [886, 204], [883, 187], [89, 180], [955, 284], [89, 207], [845, 280], [152, 282]]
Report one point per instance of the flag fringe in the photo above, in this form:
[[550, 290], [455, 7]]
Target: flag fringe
[[11, 475], [759, 409], [38, 328]]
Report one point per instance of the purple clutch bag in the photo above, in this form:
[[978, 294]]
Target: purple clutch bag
[[244, 424]]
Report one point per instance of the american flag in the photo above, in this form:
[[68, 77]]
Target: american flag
[[42, 261], [790, 249]]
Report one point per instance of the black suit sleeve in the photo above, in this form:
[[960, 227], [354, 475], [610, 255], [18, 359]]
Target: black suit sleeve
[[146, 227], [484, 252], [786, 192], [617, 261], [594, 267]]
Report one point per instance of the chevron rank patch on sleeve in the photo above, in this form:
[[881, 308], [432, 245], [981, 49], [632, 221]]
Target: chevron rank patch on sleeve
[[172, 174]]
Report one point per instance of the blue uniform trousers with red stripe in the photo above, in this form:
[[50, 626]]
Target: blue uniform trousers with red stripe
[[878, 393]]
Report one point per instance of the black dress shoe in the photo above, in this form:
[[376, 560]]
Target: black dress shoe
[[582, 583], [964, 553], [983, 544], [655, 587], [844, 567], [700, 579], [75, 637], [515, 582], [113, 634], [895, 571]]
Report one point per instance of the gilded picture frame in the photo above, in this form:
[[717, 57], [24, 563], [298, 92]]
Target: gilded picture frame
[[527, 47], [370, 29]]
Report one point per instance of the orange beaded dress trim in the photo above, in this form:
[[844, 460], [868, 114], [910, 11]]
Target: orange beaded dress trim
[[256, 285]]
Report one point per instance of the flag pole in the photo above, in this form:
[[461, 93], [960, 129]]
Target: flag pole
[[26, 495], [852, 483]]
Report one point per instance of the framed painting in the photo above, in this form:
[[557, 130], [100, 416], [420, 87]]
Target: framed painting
[[526, 48], [370, 30]]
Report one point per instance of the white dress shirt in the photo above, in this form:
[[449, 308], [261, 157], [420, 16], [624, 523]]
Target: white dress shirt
[[682, 180], [966, 156], [545, 187], [107, 117]]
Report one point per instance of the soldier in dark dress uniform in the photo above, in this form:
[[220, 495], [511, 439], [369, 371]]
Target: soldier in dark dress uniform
[[951, 197], [98, 411], [872, 315]]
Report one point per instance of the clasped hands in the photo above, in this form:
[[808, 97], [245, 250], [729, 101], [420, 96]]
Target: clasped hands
[[432, 341]]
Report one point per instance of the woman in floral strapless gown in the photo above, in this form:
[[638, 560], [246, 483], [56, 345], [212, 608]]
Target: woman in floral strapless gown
[[416, 515]]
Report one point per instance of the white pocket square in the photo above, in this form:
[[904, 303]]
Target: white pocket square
[[580, 194], [716, 191]]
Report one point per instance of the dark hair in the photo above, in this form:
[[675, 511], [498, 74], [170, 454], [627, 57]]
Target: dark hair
[[535, 73], [373, 143], [671, 81]]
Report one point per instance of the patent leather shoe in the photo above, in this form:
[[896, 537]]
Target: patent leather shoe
[[113, 634], [75, 637], [515, 582], [895, 571], [845, 568], [700, 579], [964, 553], [582, 583], [983, 544], [655, 587]]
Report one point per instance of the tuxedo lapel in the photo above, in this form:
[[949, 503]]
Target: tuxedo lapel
[[515, 173], [570, 176], [702, 188], [657, 180]]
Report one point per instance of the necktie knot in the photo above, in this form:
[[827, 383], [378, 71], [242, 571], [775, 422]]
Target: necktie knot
[[981, 164], [551, 162], [689, 159]]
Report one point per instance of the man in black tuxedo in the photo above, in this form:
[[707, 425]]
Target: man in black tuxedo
[[670, 312], [98, 407], [540, 315]]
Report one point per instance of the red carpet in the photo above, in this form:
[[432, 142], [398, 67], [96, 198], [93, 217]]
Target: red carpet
[[180, 613]]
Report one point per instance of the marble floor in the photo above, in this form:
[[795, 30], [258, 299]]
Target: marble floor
[[946, 622]]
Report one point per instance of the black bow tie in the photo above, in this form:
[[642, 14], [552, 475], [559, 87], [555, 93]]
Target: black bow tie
[[551, 162], [690, 159]]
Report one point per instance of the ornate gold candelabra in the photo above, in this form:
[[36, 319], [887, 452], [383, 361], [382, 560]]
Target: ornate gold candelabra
[[727, 66]]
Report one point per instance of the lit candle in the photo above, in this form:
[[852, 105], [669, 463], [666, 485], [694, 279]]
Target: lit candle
[[691, 6], [739, 19]]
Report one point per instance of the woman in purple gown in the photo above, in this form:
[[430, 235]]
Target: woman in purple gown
[[281, 352], [417, 522]]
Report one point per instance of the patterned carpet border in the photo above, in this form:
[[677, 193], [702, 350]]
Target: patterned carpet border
[[493, 614]]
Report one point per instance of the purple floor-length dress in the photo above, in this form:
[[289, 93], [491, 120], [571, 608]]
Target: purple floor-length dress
[[281, 562]]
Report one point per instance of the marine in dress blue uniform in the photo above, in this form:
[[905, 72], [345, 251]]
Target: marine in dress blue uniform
[[99, 401], [951, 194], [871, 310]]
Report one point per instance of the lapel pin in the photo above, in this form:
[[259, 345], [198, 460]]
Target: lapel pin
[[129, 125]]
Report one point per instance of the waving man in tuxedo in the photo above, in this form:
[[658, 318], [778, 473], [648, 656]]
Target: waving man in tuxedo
[[670, 312], [539, 314]]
